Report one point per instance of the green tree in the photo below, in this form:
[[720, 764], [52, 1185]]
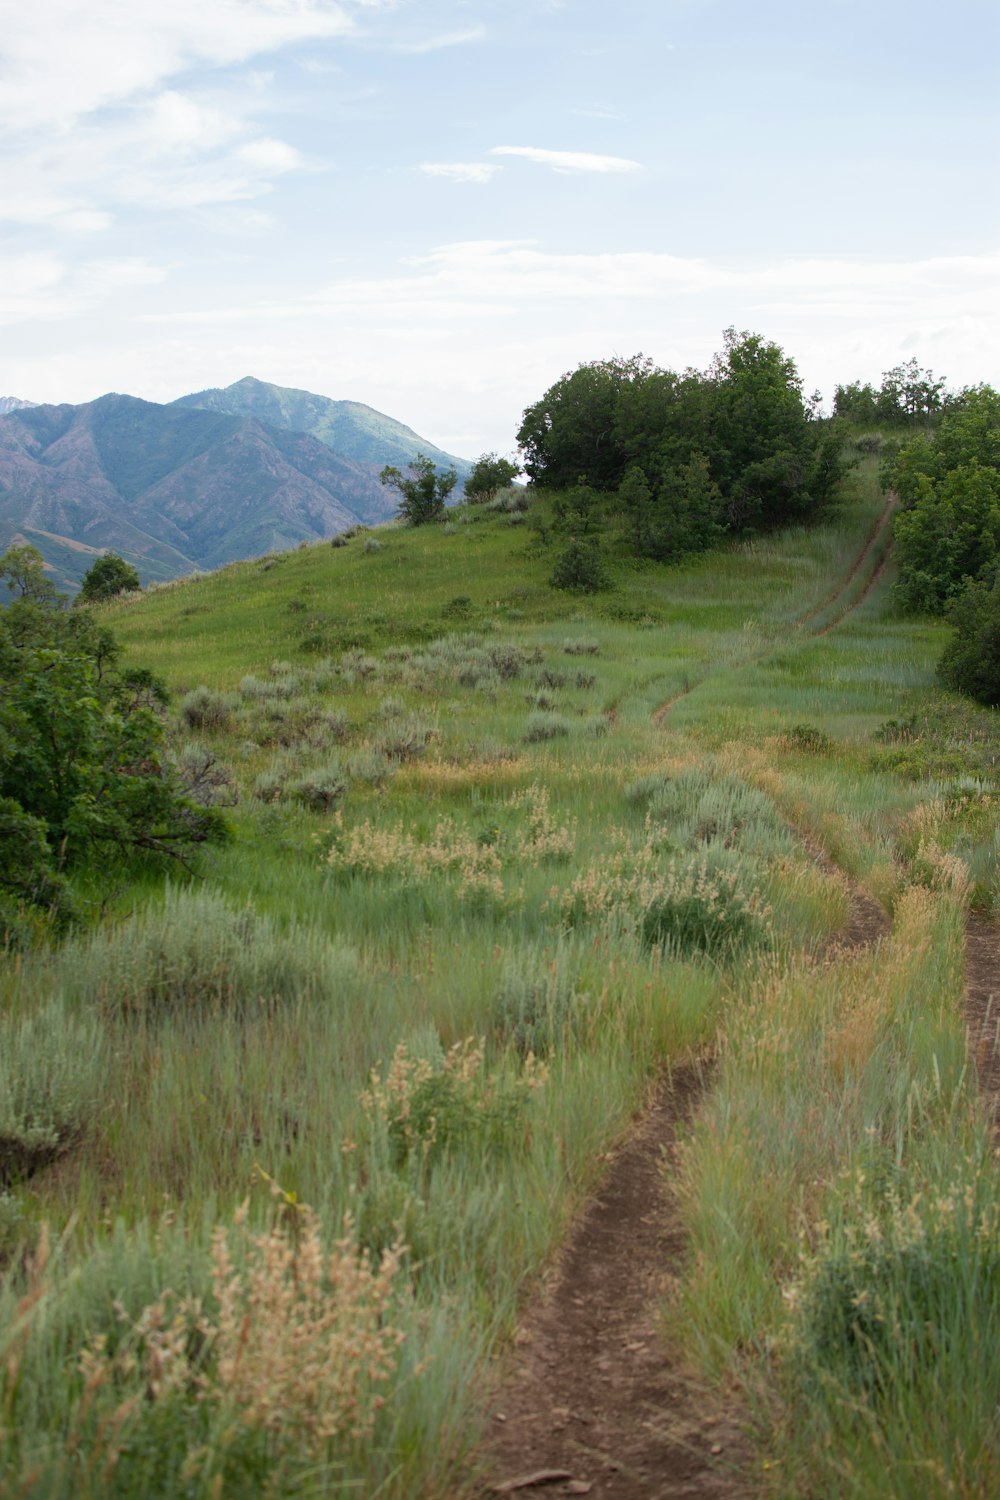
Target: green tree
[[423, 493], [490, 474], [948, 527], [856, 403], [83, 762], [107, 576], [574, 434], [971, 660], [950, 533], [772, 463], [579, 568], [22, 568], [909, 394]]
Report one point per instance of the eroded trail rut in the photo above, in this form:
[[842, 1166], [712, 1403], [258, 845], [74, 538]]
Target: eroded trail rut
[[982, 1008], [593, 1404]]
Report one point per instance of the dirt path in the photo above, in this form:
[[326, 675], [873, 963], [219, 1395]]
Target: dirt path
[[840, 588], [982, 1008], [594, 1404], [837, 594]]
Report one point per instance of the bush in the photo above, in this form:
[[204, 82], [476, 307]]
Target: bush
[[425, 1109], [700, 906], [406, 738], [51, 1073], [911, 1300], [197, 952], [319, 789], [537, 1008], [579, 569], [543, 725], [203, 708]]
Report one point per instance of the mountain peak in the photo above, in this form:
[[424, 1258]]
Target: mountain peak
[[350, 428]]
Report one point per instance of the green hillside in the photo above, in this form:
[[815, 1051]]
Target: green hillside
[[506, 860]]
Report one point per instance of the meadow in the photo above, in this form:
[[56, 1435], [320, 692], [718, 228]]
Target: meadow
[[288, 1140]]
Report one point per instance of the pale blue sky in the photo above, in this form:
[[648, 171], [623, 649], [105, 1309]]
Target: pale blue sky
[[438, 206]]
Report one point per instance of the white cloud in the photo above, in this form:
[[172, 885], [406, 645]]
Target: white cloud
[[479, 329], [569, 161], [447, 39], [63, 60], [461, 171], [89, 105], [169, 151]]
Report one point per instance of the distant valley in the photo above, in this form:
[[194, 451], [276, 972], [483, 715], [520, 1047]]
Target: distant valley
[[213, 477]]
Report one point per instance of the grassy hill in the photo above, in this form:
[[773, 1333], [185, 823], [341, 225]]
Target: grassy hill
[[503, 855]]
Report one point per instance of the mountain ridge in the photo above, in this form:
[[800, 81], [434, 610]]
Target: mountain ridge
[[180, 487]]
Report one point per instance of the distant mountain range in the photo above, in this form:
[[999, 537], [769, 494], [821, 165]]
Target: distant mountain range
[[215, 476]]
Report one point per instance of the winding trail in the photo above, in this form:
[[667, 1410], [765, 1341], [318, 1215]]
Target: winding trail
[[594, 1402], [878, 540], [841, 587]]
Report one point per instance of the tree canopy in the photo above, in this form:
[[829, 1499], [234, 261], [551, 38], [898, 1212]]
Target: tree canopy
[[106, 577], [682, 459], [948, 527]]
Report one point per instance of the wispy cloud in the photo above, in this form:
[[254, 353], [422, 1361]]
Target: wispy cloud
[[88, 110], [42, 287], [445, 39], [63, 60], [569, 161], [461, 171]]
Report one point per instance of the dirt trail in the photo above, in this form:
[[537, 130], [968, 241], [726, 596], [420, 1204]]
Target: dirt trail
[[842, 585], [837, 594], [982, 1008], [595, 1403]]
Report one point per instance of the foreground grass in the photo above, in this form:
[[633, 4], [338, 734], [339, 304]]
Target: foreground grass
[[476, 886]]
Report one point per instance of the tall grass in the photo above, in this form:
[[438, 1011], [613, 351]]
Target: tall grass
[[440, 968]]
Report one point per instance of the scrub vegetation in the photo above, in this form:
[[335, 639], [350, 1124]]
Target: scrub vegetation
[[288, 1138]]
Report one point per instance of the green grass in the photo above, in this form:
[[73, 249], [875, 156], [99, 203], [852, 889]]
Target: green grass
[[416, 869]]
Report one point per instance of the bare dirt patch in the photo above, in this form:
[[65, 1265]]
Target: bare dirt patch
[[593, 1403]]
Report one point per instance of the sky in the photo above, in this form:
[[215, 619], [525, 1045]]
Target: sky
[[438, 207]]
